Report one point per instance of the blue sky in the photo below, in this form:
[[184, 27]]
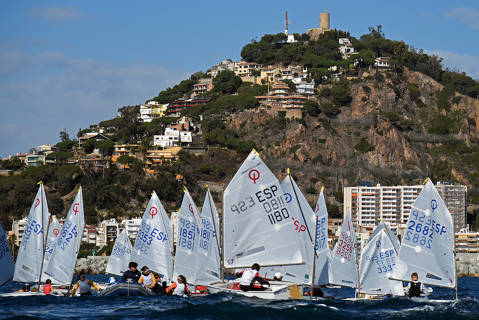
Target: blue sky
[[69, 64]]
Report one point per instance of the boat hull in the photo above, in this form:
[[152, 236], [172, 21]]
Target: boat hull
[[274, 292], [126, 289]]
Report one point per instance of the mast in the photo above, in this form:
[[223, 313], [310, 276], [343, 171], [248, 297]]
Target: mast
[[455, 261], [43, 237], [314, 255]]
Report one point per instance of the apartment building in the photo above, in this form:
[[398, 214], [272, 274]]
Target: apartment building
[[392, 204], [132, 226]]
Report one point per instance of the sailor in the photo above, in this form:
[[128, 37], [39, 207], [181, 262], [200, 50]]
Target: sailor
[[278, 276], [84, 285], [147, 278], [251, 280], [132, 273], [47, 287], [415, 288], [179, 288], [160, 287], [25, 288]]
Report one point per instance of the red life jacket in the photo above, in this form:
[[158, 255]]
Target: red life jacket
[[47, 288]]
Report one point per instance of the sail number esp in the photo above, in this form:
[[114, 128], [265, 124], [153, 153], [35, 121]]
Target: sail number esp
[[270, 199]]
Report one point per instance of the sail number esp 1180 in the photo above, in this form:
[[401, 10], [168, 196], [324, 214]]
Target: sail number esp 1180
[[270, 199]]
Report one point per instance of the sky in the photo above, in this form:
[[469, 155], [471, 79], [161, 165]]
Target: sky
[[69, 64]]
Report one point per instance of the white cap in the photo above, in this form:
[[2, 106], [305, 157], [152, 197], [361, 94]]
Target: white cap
[[278, 275]]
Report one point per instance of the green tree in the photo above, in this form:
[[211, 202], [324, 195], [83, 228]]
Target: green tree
[[226, 82], [312, 108]]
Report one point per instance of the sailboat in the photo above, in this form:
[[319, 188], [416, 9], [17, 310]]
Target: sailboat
[[428, 244], [304, 220], [343, 268], [209, 246], [188, 241], [53, 232], [154, 244], [257, 226], [62, 263], [6, 259], [323, 253], [378, 259], [29, 264], [120, 255]]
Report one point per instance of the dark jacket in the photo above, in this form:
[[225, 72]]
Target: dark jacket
[[133, 275]]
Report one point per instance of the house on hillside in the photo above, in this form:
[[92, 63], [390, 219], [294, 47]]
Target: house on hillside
[[91, 135], [346, 48], [280, 96], [245, 69], [152, 110], [177, 106], [223, 66], [203, 86], [382, 62], [172, 138]]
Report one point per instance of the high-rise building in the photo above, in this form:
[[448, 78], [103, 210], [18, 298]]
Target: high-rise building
[[392, 204]]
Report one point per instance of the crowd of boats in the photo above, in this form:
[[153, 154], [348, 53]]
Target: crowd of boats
[[264, 222]]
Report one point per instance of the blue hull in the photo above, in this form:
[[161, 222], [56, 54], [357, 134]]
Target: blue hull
[[126, 289]]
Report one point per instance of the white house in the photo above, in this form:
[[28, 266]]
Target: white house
[[172, 138], [132, 226], [345, 47], [305, 88], [382, 62]]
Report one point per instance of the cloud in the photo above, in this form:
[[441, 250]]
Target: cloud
[[40, 94], [467, 16], [460, 62], [56, 15]]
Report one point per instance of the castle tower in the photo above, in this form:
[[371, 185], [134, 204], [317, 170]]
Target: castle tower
[[324, 21]]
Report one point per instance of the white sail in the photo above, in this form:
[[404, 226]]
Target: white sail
[[258, 225], [428, 243], [343, 268], [120, 255], [188, 240], [209, 254], [62, 262], [154, 244], [323, 254], [53, 231], [378, 259], [391, 235], [6, 260], [30, 255], [303, 225]]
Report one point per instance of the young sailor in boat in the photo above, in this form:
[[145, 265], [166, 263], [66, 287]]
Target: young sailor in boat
[[132, 273], [25, 288], [160, 286], [415, 288], [147, 279], [179, 288], [251, 280], [85, 285], [47, 287]]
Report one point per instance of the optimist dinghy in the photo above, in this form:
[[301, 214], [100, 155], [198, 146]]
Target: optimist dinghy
[[258, 227]]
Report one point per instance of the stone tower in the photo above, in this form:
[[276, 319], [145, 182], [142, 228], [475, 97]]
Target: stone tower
[[324, 26]]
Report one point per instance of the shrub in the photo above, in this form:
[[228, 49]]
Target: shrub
[[364, 146]]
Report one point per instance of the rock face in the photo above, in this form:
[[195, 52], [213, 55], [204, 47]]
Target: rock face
[[92, 264], [383, 136], [468, 264]]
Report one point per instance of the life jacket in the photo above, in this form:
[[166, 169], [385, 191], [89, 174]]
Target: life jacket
[[147, 280], [415, 289], [181, 289], [84, 286], [247, 277], [47, 288]]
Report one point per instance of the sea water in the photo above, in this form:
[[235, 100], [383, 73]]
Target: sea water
[[226, 306]]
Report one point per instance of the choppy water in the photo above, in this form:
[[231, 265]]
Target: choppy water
[[223, 306]]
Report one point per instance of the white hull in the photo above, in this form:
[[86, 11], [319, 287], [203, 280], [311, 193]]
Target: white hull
[[274, 292]]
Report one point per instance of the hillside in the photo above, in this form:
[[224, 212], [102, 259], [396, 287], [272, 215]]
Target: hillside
[[392, 126]]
